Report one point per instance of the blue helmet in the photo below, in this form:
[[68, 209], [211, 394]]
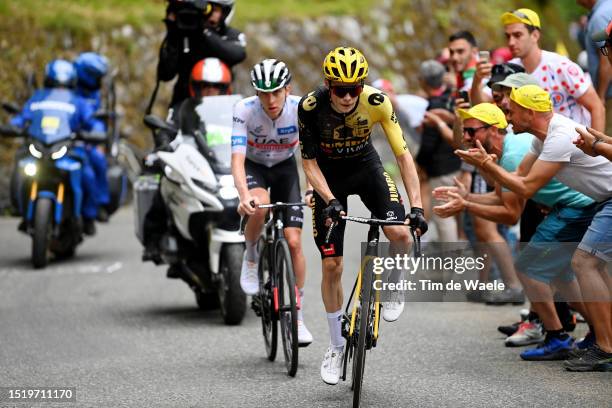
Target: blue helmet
[[90, 68], [60, 72]]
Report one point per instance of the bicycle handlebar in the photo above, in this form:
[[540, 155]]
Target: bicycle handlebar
[[373, 221], [245, 218]]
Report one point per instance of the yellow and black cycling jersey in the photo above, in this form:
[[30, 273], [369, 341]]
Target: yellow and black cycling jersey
[[329, 136]]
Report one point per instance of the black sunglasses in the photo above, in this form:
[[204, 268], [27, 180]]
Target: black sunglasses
[[353, 90], [472, 131], [203, 84], [523, 16]]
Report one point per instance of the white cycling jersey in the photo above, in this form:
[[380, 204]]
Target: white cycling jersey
[[261, 139], [566, 83]]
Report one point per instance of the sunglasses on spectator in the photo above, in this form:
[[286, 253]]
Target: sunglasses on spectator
[[341, 91], [604, 49], [472, 131], [498, 96], [523, 16]]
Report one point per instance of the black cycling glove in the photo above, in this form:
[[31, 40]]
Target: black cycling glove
[[417, 219], [333, 210]]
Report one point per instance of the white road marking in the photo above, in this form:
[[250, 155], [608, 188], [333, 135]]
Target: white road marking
[[84, 269]]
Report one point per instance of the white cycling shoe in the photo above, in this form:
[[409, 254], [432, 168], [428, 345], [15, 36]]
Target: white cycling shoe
[[331, 367], [304, 335], [394, 308], [249, 282]]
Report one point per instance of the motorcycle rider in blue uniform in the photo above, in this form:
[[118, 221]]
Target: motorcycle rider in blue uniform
[[57, 98], [90, 69]]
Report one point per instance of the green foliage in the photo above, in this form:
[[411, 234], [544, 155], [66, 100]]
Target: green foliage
[[89, 16]]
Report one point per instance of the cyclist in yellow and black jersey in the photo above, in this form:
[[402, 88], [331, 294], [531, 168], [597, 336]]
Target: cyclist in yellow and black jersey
[[335, 126], [328, 135]]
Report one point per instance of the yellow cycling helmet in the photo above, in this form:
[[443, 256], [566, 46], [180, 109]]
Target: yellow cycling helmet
[[345, 64]]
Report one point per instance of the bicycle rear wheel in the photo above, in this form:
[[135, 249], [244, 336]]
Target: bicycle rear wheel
[[269, 326], [365, 328], [287, 306]]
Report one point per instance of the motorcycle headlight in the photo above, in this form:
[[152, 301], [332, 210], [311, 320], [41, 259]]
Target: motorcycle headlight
[[59, 153], [34, 151], [30, 169], [226, 181], [228, 193]]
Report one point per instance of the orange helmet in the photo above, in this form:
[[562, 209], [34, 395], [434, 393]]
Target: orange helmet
[[210, 72]]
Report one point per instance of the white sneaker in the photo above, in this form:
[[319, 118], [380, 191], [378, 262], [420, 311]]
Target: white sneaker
[[249, 282], [394, 308], [332, 365], [304, 335]]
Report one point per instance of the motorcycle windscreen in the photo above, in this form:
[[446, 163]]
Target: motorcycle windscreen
[[50, 126], [217, 113]]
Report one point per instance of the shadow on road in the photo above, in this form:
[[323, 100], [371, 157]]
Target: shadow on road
[[180, 316]]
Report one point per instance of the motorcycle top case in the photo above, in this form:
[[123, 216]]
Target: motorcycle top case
[[145, 189]]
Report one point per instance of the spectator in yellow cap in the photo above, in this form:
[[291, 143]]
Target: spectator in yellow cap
[[553, 154], [486, 122], [571, 91]]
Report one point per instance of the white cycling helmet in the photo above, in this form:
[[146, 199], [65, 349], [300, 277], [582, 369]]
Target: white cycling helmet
[[270, 75]]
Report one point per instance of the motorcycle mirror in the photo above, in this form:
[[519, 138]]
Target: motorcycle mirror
[[93, 137], [10, 131], [102, 115], [10, 108], [153, 122]]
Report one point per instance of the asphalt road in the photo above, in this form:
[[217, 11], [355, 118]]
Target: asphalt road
[[125, 336]]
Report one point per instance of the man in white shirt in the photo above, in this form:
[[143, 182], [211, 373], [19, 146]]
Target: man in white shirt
[[553, 154], [572, 93]]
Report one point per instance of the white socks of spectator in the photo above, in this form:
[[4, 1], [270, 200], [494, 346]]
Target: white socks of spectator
[[251, 250], [334, 321], [300, 315]]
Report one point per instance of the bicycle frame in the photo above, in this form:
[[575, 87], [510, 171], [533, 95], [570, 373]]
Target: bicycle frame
[[273, 233], [357, 293], [371, 253]]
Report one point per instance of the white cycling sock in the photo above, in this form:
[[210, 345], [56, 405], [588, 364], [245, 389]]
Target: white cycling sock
[[251, 250], [334, 321], [300, 315]]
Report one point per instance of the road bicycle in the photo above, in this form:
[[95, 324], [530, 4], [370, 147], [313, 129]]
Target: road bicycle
[[278, 299], [360, 327]]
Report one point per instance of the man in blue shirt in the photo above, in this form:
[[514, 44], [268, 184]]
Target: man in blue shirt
[[57, 100], [90, 69]]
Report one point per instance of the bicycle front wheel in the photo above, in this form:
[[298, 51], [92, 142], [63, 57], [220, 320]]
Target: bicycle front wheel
[[287, 308], [365, 333], [269, 326]]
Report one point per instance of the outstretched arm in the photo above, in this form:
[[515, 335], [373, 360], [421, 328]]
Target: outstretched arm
[[315, 177]]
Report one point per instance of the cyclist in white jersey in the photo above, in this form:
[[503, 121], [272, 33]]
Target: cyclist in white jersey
[[265, 137], [572, 93]]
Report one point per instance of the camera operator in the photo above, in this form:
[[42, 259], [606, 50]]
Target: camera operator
[[197, 29]]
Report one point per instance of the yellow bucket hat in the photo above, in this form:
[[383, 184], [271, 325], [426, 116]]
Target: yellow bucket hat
[[532, 97], [487, 113], [522, 15]]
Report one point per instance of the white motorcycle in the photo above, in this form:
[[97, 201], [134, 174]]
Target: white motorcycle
[[203, 245]]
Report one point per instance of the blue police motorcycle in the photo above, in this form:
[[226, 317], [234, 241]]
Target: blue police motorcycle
[[50, 194]]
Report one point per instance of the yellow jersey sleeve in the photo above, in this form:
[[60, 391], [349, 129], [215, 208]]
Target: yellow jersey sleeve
[[385, 115]]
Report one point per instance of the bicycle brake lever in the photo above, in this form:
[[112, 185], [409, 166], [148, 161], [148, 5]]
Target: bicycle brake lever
[[243, 223], [245, 219], [329, 231], [417, 243]]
